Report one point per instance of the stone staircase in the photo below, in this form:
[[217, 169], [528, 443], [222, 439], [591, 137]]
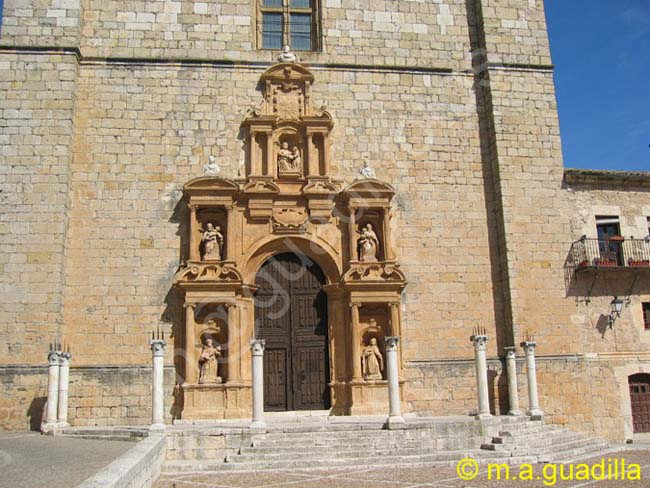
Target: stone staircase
[[330, 442], [547, 443]]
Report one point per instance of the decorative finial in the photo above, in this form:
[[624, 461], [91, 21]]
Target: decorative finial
[[366, 171], [286, 56], [211, 168]]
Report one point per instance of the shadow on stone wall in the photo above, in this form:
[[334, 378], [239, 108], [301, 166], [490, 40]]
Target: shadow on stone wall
[[35, 412]]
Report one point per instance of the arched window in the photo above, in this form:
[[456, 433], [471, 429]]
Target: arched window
[[288, 22]]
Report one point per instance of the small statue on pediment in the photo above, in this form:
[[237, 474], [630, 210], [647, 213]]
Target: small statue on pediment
[[212, 240], [366, 171], [212, 167], [286, 56]]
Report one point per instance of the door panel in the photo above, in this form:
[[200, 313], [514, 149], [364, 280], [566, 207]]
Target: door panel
[[291, 315], [640, 401]]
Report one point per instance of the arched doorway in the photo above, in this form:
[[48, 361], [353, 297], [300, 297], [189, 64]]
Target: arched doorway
[[640, 400], [291, 316]]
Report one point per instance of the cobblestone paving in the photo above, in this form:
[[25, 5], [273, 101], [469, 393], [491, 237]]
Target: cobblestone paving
[[413, 477], [31, 460]]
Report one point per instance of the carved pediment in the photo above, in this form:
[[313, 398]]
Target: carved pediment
[[212, 184], [213, 272], [371, 187], [261, 186], [374, 272], [320, 188]]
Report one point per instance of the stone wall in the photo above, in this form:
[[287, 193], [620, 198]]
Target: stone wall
[[99, 396], [36, 129]]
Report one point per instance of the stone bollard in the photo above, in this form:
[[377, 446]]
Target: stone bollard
[[480, 354], [531, 374], [64, 381], [257, 350], [49, 426], [158, 373], [394, 407], [513, 392]]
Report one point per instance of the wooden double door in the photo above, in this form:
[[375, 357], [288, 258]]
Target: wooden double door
[[291, 316], [640, 400]]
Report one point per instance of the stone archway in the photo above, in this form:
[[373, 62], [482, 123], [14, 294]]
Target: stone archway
[[291, 316]]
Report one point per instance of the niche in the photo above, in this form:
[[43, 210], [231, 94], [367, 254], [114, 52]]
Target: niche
[[212, 223], [212, 324]]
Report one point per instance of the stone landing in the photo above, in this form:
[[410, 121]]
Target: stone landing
[[316, 441]]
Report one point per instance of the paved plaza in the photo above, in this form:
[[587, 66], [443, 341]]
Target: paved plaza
[[405, 477], [31, 460]]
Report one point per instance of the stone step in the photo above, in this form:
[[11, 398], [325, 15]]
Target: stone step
[[336, 442], [331, 454], [560, 449], [332, 448], [526, 429], [537, 439], [447, 458]]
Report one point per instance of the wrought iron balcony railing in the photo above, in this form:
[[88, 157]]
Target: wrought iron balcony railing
[[614, 252]]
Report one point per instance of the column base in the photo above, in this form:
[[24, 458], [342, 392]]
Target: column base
[[157, 427], [485, 415], [49, 428], [536, 412], [258, 425], [515, 413], [395, 422]]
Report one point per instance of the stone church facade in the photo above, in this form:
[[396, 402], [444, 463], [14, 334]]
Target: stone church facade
[[402, 176]]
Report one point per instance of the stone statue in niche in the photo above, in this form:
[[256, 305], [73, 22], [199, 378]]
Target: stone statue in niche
[[289, 161], [209, 363], [372, 362], [212, 240], [286, 56], [368, 245], [366, 171]]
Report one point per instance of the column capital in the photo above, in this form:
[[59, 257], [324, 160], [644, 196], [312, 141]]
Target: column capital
[[479, 340], [193, 207], [53, 358], [355, 305], [64, 357], [395, 304], [511, 352], [257, 346], [391, 343], [529, 346], [189, 305], [158, 347]]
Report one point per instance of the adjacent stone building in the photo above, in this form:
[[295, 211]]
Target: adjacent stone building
[[398, 173]]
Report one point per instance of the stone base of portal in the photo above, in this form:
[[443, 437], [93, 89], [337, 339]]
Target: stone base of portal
[[216, 401], [362, 397]]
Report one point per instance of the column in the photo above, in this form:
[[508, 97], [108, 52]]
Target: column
[[480, 354], [64, 380], [531, 374], [234, 353], [312, 170], [394, 408], [271, 163], [326, 153], [194, 247], [513, 392], [52, 392], [388, 251], [352, 230], [396, 327], [157, 380], [355, 340], [257, 351], [191, 365]]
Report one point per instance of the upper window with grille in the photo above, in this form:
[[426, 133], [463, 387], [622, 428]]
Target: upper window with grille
[[288, 22]]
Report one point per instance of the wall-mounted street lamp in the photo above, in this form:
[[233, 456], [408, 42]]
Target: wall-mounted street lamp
[[616, 306]]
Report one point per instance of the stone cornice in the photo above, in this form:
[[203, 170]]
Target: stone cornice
[[606, 177]]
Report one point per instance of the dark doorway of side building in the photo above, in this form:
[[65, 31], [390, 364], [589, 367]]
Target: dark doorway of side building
[[640, 401]]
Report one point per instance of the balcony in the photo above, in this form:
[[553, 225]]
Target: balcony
[[614, 252]]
